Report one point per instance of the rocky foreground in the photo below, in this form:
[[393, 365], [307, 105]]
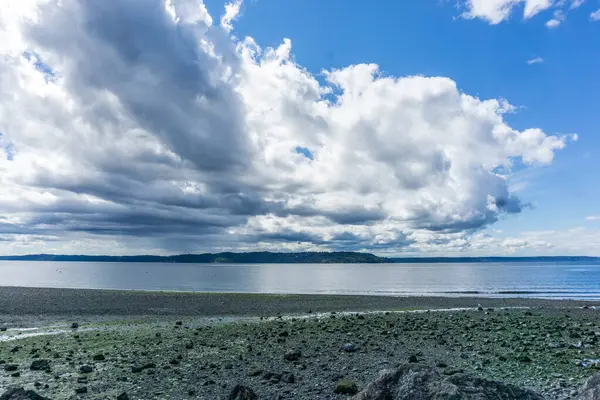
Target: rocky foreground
[[481, 353]]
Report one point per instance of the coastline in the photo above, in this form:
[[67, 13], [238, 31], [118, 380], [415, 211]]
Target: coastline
[[88, 302], [206, 343]]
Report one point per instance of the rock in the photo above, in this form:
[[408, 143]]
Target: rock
[[591, 389], [412, 359], [288, 377], [81, 390], [3, 329], [15, 375], [189, 345], [86, 369], [346, 386], [99, 357], [74, 325], [349, 348], [11, 367], [179, 323], [240, 392], [40, 365], [417, 382], [123, 396], [21, 394], [292, 355], [15, 349], [255, 372]]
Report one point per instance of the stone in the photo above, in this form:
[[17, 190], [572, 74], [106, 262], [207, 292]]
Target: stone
[[81, 390], [418, 382], [86, 369], [21, 394], [99, 357], [346, 386], [349, 348], [292, 355], [11, 367], [189, 345], [179, 323], [288, 377], [123, 396], [412, 359], [74, 325], [591, 389], [3, 329], [40, 365], [241, 392]]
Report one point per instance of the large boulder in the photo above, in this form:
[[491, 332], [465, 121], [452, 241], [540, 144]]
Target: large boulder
[[418, 382], [591, 389], [21, 394]]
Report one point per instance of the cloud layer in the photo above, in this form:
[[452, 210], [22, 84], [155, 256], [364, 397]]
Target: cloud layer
[[497, 11], [141, 126]]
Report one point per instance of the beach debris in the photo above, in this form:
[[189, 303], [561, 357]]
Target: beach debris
[[19, 393], [292, 355], [418, 382], [40, 365], [345, 386], [241, 392], [349, 347]]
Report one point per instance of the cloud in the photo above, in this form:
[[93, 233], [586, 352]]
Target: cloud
[[497, 11], [593, 218], [231, 13], [140, 126], [536, 60], [595, 16]]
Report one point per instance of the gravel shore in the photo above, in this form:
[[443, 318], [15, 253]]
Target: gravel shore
[[199, 346]]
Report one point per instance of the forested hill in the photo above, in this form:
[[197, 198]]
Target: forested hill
[[266, 257], [254, 257]]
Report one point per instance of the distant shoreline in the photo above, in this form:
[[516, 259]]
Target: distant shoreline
[[289, 258]]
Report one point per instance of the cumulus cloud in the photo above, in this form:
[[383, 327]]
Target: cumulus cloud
[[595, 16], [231, 13], [140, 126]]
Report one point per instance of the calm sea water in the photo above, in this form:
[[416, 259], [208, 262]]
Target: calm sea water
[[548, 280]]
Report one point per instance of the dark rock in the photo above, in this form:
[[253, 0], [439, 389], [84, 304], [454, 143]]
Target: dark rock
[[11, 367], [191, 392], [179, 323], [174, 362], [74, 325], [240, 392], [228, 365], [123, 396], [591, 389], [417, 382], [412, 359], [3, 329], [16, 375], [292, 355], [288, 377], [81, 390], [99, 357], [189, 345], [15, 349], [40, 365], [82, 379], [21, 394], [346, 386], [86, 369], [255, 372]]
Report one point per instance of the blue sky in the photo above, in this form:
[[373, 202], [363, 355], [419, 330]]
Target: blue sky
[[425, 127]]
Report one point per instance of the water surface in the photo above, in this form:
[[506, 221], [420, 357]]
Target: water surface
[[544, 280]]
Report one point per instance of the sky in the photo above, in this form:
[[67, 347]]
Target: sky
[[417, 128]]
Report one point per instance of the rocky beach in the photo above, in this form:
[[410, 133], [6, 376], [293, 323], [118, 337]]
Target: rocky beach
[[72, 344]]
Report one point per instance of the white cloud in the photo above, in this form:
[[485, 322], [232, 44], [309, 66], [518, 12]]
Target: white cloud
[[593, 218], [576, 4], [595, 16], [231, 13], [496, 11], [536, 60], [553, 23], [181, 138]]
